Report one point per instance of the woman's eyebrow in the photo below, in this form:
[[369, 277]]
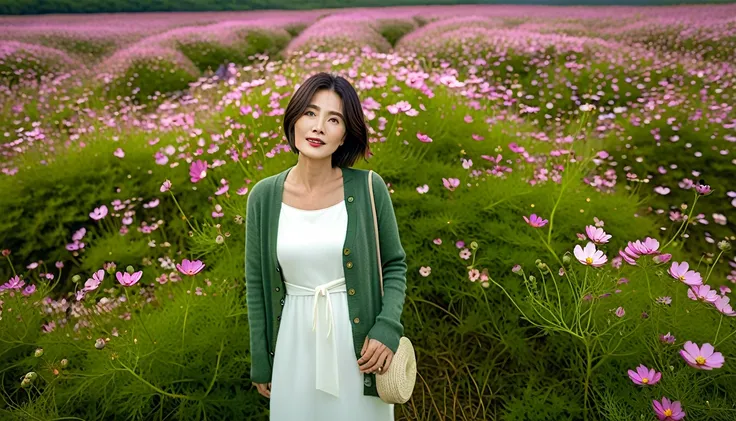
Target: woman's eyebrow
[[331, 112]]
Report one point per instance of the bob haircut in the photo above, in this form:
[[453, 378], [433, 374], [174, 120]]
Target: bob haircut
[[356, 129]]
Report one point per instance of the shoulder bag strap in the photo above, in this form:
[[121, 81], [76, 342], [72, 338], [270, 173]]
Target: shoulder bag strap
[[375, 227]]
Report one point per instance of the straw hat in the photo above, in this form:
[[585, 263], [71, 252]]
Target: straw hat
[[397, 384]]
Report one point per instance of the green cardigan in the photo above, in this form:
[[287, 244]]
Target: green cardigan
[[370, 314]]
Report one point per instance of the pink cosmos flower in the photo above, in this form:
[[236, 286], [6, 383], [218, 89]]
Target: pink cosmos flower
[[473, 275], [197, 170], [703, 358], [703, 293], [30, 289], [13, 283], [99, 213], [437, 241], [703, 189], [425, 271], [589, 255], [119, 153], [190, 268], [666, 300], [620, 312], [597, 235], [636, 249], [424, 138], [166, 186], [450, 183], [667, 410], [668, 338], [423, 189], [465, 254], [724, 307], [724, 289], [127, 280], [644, 376], [94, 282], [680, 272], [535, 221], [662, 258]]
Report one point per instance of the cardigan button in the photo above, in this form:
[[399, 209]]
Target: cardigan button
[[367, 382], [272, 354], [350, 199], [282, 301], [278, 269], [349, 265], [346, 251], [351, 291], [278, 289], [356, 320]]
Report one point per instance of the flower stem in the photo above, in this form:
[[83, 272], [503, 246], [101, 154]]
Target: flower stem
[[684, 224], [719, 329], [180, 210], [712, 266], [11, 265]]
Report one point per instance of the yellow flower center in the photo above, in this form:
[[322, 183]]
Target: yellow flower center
[[645, 380], [681, 277], [589, 260], [700, 360], [668, 412]]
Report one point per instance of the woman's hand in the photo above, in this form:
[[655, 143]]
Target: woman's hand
[[264, 389], [374, 355]]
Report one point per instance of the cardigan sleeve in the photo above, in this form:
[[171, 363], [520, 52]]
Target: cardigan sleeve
[[260, 371], [388, 328]]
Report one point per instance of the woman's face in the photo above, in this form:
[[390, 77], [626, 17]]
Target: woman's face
[[321, 128]]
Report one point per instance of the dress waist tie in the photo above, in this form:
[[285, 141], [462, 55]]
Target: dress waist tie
[[326, 360]]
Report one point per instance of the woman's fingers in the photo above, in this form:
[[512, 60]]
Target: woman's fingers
[[372, 364], [264, 389], [387, 364]]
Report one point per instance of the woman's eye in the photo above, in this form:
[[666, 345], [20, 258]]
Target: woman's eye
[[308, 112], [335, 120]]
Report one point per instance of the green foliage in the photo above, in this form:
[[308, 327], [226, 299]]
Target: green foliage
[[146, 79]]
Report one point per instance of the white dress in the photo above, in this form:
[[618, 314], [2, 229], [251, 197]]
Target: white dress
[[315, 372]]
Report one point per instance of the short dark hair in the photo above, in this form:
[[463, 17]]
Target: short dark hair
[[356, 129]]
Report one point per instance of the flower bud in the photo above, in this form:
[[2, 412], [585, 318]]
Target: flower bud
[[26, 383], [532, 278], [537, 262], [38, 353], [238, 219], [6, 252], [219, 239], [76, 279], [516, 269], [724, 245], [130, 269], [100, 343], [63, 363], [473, 245], [31, 375], [110, 268], [566, 259]]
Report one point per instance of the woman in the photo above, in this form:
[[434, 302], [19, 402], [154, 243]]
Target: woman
[[320, 328]]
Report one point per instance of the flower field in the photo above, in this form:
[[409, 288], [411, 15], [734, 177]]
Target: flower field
[[562, 178]]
